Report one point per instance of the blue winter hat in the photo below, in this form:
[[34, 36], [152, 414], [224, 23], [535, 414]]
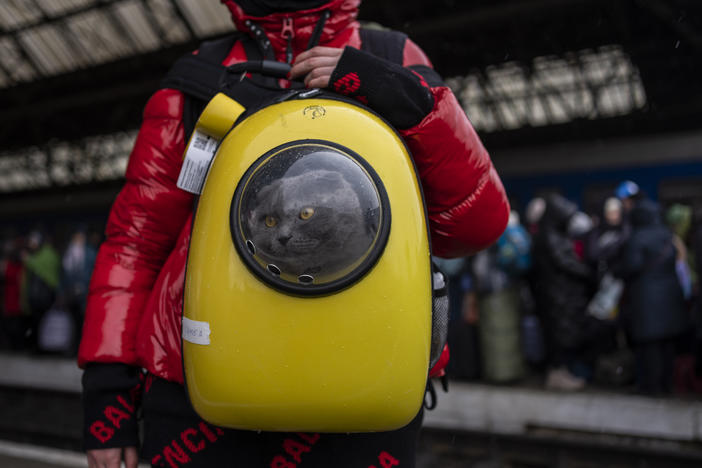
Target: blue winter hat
[[626, 189]]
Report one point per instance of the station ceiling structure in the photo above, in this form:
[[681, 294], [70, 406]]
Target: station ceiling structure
[[75, 74]]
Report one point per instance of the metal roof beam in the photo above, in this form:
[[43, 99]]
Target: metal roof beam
[[58, 18], [181, 14], [65, 31], [153, 22], [120, 28]]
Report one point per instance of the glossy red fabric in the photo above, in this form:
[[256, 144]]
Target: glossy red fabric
[[338, 29], [135, 301]]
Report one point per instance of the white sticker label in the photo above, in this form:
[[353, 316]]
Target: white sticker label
[[196, 332], [197, 161]]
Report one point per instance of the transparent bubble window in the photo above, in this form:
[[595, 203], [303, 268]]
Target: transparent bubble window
[[310, 217]]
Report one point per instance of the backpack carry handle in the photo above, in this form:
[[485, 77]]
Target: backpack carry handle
[[270, 68]]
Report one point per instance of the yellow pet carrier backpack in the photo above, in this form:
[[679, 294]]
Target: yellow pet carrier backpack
[[308, 291]]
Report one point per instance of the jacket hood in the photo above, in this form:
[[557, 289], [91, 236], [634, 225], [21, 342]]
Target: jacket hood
[[645, 213], [343, 18]]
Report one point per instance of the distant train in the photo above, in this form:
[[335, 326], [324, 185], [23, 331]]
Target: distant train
[[668, 168]]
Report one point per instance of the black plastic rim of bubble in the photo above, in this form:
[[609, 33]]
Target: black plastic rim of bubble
[[309, 290]]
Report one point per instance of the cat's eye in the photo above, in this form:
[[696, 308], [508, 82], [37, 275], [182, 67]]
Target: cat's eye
[[306, 213], [271, 221]]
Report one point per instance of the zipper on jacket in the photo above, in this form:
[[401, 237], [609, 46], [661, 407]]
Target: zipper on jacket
[[288, 33]]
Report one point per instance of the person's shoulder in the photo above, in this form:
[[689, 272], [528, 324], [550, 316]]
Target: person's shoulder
[[165, 103]]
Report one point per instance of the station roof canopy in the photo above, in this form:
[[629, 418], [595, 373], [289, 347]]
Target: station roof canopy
[[527, 71]]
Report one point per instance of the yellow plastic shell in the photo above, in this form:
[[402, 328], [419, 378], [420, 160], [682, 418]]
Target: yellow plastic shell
[[218, 117], [353, 361]]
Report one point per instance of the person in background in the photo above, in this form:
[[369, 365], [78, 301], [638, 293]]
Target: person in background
[[604, 243], [534, 211], [462, 332], [653, 307], [696, 241], [563, 285], [499, 273], [629, 193], [678, 218], [77, 266], [42, 269], [514, 248], [11, 271]]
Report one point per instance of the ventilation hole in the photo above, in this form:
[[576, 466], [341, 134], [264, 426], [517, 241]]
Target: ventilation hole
[[305, 279], [252, 248], [274, 269]]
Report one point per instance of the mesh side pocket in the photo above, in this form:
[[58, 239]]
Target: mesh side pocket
[[439, 314]]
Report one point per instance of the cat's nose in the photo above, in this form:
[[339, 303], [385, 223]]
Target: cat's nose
[[284, 239]]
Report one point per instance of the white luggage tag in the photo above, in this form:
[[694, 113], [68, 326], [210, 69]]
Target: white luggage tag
[[198, 157], [216, 120]]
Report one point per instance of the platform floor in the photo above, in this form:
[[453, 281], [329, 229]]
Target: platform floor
[[512, 410], [14, 455], [519, 411]]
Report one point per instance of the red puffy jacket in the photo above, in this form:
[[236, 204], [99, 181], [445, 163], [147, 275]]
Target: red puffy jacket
[[134, 306]]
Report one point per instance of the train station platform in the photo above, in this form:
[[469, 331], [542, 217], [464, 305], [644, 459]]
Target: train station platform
[[670, 424], [518, 410]]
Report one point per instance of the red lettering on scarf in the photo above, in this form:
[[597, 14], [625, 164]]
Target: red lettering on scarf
[[186, 435], [192, 440], [280, 462], [208, 433], [115, 415], [295, 449], [175, 453], [125, 404], [101, 431], [309, 438], [386, 460]]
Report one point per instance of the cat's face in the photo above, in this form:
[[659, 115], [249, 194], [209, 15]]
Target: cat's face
[[303, 224]]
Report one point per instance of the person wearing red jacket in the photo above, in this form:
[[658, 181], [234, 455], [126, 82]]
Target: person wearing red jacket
[[131, 343]]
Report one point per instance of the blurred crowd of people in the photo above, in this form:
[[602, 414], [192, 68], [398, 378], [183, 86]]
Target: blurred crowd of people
[[43, 291], [609, 297]]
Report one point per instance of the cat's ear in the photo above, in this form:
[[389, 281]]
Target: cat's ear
[[328, 181], [265, 193]]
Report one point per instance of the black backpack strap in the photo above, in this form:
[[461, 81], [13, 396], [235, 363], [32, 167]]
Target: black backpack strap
[[386, 44], [199, 76], [254, 52]]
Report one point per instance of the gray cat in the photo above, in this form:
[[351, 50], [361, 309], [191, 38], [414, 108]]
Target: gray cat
[[309, 224]]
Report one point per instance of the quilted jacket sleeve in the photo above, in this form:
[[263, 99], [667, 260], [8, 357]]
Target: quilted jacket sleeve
[[143, 225], [467, 205]]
